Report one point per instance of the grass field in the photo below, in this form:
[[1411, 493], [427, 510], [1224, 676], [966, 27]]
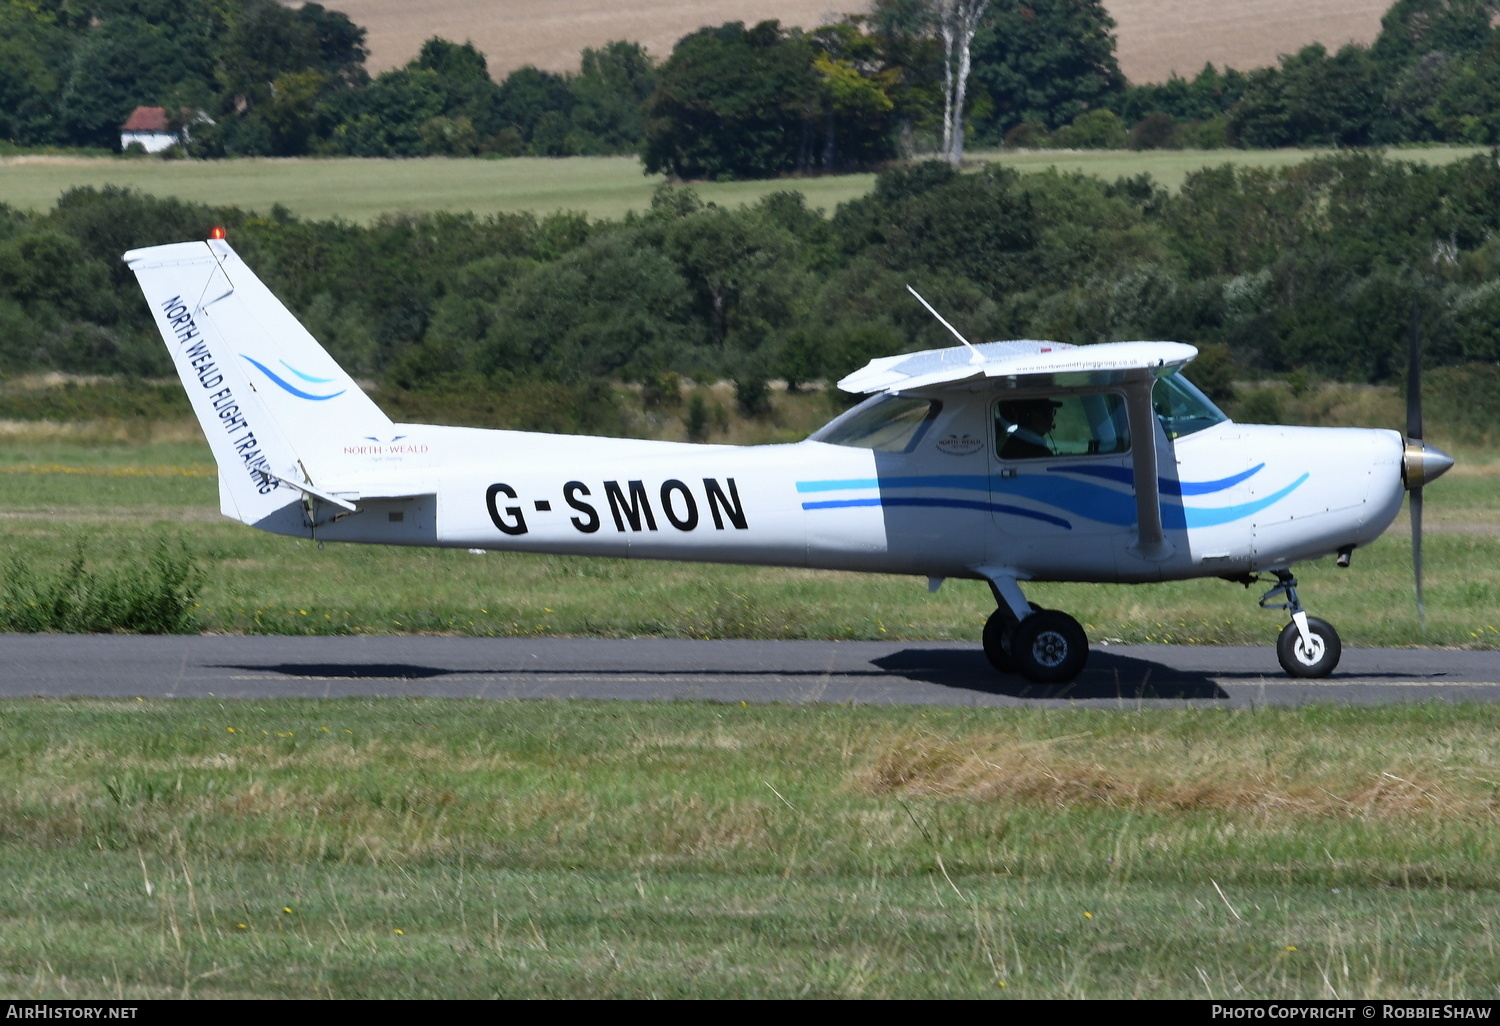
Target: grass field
[[603, 187], [401, 848]]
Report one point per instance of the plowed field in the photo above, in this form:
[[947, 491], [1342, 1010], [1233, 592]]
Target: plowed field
[[1156, 36]]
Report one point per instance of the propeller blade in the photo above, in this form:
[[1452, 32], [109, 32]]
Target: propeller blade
[[1414, 377], [1416, 552], [1414, 434]]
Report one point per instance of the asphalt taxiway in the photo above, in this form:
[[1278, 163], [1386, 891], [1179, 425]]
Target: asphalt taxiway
[[653, 669]]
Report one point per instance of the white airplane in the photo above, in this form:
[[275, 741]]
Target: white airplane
[[1006, 462]]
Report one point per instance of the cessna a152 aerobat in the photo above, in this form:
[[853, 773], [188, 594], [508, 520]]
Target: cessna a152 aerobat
[[1007, 462]]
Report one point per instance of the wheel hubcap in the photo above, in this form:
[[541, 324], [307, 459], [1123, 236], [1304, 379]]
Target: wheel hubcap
[[1309, 652], [1050, 649]]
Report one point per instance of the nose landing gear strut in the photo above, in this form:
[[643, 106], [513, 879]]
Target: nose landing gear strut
[[1308, 646]]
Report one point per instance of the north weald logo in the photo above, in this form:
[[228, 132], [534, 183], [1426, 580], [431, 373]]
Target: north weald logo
[[959, 445], [287, 386]]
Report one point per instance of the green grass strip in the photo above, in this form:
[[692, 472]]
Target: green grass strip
[[566, 849]]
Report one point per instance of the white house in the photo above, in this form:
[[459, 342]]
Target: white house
[[147, 126]]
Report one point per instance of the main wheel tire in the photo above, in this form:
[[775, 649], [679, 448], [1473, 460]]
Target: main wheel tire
[[1049, 647], [1300, 659], [997, 631]]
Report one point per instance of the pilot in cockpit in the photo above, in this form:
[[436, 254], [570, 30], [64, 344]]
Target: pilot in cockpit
[[1023, 425]]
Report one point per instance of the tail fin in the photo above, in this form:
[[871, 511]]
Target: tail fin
[[270, 398]]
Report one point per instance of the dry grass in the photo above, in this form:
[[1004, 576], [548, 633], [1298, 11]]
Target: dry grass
[[101, 432], [1322, 774]]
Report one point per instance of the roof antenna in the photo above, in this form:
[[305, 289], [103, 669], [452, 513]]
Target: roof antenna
[[976, 356]]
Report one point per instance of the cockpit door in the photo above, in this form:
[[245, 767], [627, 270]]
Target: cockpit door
[[1061, 484]]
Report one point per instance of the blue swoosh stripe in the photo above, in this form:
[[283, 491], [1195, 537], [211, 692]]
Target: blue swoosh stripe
[[983, 507], [970, 482], [1126, 476], [835, 486], [979, 483], [268, 372], [304, 377], [1089, 501], [1225, 514]]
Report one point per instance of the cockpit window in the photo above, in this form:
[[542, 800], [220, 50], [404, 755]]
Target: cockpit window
[[887, 423], [1040, 427], [1182, 409]]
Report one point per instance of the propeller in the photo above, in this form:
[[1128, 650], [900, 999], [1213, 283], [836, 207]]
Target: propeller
[[1420, 463]]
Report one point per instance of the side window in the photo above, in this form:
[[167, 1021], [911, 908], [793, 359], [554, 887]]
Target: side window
[[1041, 427], [1182, 409], [887, 423]]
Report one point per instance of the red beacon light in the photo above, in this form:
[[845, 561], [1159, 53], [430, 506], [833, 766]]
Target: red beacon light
[[216, 233]]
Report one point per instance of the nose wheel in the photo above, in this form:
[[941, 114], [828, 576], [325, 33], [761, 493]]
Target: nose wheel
[[1306, 647], [1312, 656]]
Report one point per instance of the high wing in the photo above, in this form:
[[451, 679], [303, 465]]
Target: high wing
[[1023, 363]]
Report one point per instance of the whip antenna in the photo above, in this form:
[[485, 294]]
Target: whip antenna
[[977, 356]]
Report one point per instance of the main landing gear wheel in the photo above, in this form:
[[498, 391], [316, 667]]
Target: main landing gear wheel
[[997, 631], [1315, 657], [1048, 647]]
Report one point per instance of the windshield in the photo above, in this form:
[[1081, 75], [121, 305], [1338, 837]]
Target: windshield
[[1182, 409], [889, 423]]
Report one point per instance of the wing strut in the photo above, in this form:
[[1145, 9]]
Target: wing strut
[[1151, 540]]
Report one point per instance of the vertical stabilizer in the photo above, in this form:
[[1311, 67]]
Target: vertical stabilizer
[[270, 398]]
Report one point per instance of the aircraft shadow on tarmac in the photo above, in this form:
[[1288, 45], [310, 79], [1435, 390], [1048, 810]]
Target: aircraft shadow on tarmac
[[1107, 675], [349, 671]]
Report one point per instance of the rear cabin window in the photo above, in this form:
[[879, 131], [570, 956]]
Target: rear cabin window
[[886, 423], [1044, 427]]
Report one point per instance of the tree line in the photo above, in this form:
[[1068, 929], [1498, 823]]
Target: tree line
[[1313, 268], [257, 78]]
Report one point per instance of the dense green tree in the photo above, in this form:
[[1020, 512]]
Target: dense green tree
[[266, 40], [611, 308], [1314, 98], [733, 102], [535, 106], [743, 273], [130, 61], [285, 79], [1208, 94], [1045, 61], [913, 57], [33, 50], [980, 227], [391, 114], [1411, 29], [856, 95], [1467, 110], [609, 99]]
